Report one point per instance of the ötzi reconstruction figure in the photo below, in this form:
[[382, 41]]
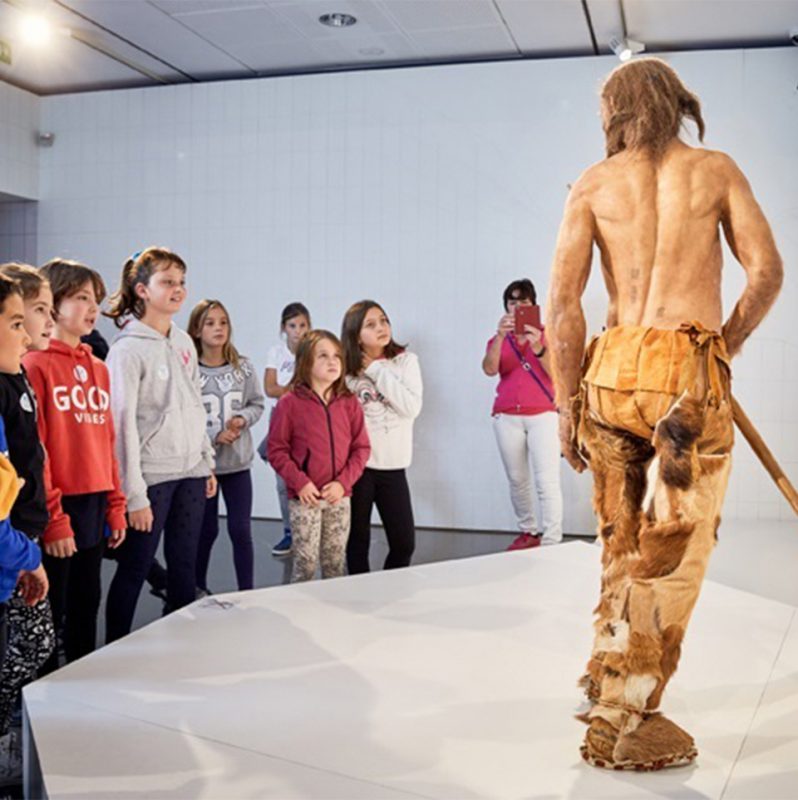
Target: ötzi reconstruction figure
[[647, 406]]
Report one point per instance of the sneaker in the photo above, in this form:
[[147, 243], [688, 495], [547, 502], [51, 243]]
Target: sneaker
[[10, 759], [283, 547], [524, 542]]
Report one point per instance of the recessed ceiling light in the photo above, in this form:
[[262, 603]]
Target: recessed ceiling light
[[371, 51], [337, 20]]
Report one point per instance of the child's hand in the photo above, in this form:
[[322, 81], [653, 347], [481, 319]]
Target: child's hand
[[309, 495], [33, 585], [141, 520], [63, 548], [210, 486], [237, 424], [332, 492], [227, 436], [116, 538]]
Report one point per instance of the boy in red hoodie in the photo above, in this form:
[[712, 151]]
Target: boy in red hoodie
[[75, 425]]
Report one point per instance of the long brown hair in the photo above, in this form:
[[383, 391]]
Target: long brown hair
[[139, 269], [350, 336], [644, 104], [197, 321], [305, 354]]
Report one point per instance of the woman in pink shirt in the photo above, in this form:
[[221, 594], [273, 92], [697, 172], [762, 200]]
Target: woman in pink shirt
[[525, 421]]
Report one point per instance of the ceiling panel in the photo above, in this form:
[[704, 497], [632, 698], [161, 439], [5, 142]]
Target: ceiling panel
[[547, 25], [177, 7], [423, 15], [156, 32], [477, 42], [691, 22]]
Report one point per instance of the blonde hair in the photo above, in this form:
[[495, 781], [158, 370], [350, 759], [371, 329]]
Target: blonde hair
[[644, 104], [139, 269], [197, 321]]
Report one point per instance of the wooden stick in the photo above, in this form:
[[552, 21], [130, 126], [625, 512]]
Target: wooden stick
[[763, 453]]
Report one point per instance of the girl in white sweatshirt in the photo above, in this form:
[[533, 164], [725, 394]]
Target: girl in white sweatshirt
[[386, 379]]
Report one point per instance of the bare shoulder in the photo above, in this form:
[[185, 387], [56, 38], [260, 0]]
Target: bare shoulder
[[719, 164]]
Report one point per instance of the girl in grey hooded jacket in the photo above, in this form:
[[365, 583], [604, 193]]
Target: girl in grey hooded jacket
[[165, 457]]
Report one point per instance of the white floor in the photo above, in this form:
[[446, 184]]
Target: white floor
[[450, 680]]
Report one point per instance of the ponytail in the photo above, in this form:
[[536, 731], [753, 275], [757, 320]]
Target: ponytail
[[139, 268]]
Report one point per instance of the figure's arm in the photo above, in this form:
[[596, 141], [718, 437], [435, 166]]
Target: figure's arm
[[566, 326], [565, 321], [270, 385], [751, 240]]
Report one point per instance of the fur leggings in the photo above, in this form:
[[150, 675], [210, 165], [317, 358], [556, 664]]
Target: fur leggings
[[659, 449]]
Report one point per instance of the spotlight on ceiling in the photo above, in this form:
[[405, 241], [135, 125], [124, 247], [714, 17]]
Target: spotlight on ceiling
[[625, 48], [337, 20], [35, 29]]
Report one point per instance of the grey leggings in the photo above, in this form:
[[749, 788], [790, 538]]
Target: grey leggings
[[319, 534]]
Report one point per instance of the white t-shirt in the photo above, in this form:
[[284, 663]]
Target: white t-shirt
[[280, 358]]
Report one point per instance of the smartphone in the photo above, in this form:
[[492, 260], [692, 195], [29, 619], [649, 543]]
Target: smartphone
[[527, 315]]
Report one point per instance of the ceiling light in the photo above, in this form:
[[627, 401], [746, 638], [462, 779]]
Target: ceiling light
[[625, 48], [337, 20], [35, 29]]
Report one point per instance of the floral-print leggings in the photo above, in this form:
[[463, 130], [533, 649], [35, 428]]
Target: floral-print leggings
[[319, 534]]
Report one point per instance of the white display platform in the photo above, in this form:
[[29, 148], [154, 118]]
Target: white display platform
[[450, 680]]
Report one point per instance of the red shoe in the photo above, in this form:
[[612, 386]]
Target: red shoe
[[524, 542]]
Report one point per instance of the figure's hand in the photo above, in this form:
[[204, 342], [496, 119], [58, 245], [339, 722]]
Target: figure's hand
[[567, 445], [332, 492], [210, 486], [33, 585], [63, 548], [237, 424], [141, 520], [506, 325], [309, 495], [116, 538]]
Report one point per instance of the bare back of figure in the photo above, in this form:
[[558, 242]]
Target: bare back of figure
[[657, 229]]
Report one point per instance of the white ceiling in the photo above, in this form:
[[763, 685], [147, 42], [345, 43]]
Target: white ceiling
[[117, 43]]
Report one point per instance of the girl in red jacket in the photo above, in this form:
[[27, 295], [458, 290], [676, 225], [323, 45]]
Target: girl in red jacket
[[73, 392], [319, 446]]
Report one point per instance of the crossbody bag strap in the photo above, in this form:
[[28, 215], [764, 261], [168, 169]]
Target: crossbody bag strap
[[528, 368]]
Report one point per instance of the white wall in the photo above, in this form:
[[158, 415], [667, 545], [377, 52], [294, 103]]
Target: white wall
[[19, 125], [427, 189]]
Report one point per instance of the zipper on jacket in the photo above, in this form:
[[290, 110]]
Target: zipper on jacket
[[330, 431]]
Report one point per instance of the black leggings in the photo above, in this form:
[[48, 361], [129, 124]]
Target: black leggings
[[389, 490], [75, 585], [177, 508]]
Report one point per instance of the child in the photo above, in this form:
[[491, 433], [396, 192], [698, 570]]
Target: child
[[165, 456], [318, 444], [386, 379], [29, 627], [17, 551], [234, 403], [76, 428], [280, 360]]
